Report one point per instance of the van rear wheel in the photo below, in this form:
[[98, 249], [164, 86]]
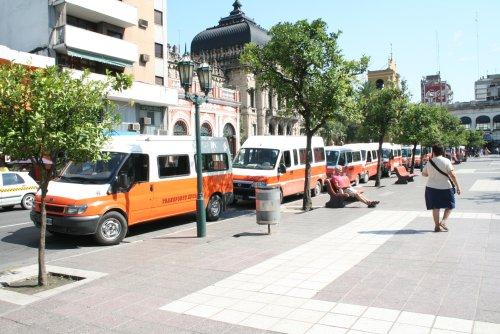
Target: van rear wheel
[[366, 178], [111, 229], [214, 208]]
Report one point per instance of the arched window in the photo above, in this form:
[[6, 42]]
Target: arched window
[[271, 129], [289, 130], [280, 130], [230, 135], [483, 123], [206, 130], [180, 129], [496, 122], [466, 122], [379, 84]]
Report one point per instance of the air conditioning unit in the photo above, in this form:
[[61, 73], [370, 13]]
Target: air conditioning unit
[[143, 23], [134, 127], [145, 120], [144, 58]]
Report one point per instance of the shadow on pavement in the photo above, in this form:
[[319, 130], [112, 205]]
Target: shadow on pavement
[[392, 232], [484, 198], [249, 234]]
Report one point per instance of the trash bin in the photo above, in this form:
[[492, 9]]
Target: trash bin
[[268, 206]]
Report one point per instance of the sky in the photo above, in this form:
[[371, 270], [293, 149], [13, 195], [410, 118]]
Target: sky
[[415, 28]]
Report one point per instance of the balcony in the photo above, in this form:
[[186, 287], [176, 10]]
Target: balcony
[[86, 44], [109, 11]]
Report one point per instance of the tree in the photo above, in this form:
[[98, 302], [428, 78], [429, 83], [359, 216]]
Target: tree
[[381, 109], [419, 125], [304, 65], [452, 132], [475, 139], [46, 113], [333, 132]]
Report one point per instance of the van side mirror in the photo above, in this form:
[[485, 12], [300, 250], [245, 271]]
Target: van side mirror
[[123, 181], [282, 169]]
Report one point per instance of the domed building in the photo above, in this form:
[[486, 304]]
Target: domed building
[[222, 46]]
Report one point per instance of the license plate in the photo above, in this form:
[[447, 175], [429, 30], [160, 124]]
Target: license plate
[[49, 221]]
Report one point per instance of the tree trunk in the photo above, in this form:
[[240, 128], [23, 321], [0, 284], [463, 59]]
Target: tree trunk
[[42, 271], [306, 202], [379, 162], [413, 151]]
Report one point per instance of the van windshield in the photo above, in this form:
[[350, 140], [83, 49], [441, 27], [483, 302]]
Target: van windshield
[[98, 172], [256, 158], [332, 158], [386, 153]]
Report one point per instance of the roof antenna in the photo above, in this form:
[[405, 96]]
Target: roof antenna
[[477, 43], [437, 53]]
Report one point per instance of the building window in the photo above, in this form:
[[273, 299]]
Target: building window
[[251, 97], [159, 81], [254, 126], [158, 17], [180, 129], [271, 129], [206, 130], [158, 50], [81, 23]]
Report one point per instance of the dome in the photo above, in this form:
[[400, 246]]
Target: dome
[[236, 29]]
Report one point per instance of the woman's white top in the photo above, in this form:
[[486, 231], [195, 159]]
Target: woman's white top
[[437, 180]]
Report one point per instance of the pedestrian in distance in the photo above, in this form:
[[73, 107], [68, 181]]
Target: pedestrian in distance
[[441, 187]]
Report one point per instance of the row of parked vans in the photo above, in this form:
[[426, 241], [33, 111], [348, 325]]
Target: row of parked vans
[[146, 178]]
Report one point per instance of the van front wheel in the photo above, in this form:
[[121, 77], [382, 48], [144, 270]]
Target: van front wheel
[[317, 190], [214, 208], [111, 229]]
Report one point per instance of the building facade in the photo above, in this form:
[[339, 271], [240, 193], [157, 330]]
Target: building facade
[[382, 77], [488, 88], [433, 90], [126, 36], [480, 115], [222, 45], [220, 117]]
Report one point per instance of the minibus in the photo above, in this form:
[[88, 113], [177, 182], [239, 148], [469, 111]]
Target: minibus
[[407, 153], [278, 161], [143, 178], [349, 157], [391, 154]]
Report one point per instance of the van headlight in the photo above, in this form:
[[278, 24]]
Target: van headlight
[[259, 184], [76, 210]]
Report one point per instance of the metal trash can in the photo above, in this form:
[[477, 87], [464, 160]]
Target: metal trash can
[[268, 206]]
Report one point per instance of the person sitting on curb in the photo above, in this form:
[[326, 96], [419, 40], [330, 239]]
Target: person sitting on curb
[[336, 182]]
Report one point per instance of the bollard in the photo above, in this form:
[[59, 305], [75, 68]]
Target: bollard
[[268, 206]]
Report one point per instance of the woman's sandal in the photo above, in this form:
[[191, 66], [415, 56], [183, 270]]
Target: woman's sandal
[[437, 229], [443, 226]]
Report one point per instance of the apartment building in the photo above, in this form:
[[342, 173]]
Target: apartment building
[[126, 36]]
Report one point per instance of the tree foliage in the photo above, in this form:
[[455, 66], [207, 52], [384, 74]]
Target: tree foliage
[[48, 113], [475, 139], [381, 110], [303, 64]]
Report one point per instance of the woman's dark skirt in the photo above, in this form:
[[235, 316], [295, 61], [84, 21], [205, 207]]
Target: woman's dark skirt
[[439, 198]]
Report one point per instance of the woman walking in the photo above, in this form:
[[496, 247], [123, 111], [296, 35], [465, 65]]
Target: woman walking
[[441, 186]]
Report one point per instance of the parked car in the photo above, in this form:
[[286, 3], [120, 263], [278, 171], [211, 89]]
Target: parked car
[[17, 188]]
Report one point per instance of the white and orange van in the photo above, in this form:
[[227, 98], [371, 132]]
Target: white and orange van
[[392, 158], [407, 154], [145, 178], [277, 161], [348, 157]]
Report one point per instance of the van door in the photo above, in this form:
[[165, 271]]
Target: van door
[[290, 181], [175, 192], [140, 193]]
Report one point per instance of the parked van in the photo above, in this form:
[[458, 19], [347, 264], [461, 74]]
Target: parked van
[[145, 178], [277, 161], [349, 157], [407, 153], [392, 158]]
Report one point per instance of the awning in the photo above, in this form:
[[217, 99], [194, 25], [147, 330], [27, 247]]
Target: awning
[[99, 58]]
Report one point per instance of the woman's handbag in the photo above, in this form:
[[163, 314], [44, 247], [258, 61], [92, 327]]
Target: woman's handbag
[[440, 171]]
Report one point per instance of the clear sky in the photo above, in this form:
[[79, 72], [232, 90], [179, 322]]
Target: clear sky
[[369, 27]]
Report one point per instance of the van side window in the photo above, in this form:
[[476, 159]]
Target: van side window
[[302, 155], [136, 167], [356, 156], [295, 157], [363, 154], [319, 154], [368, 156], [173, 165], [286, 158], [374, 155], [215, 162], [348, 157], [342, 159]]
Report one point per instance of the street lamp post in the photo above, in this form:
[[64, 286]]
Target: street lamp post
[[186, 69]]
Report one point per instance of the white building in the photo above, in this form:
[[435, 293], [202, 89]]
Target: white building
[[126, 36]]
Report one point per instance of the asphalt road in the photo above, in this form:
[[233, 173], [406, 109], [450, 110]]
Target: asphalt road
[[19, 237]]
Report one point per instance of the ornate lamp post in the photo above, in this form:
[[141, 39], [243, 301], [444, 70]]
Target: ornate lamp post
[[204, 72]]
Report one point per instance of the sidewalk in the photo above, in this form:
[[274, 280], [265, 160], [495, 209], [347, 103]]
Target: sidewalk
[[350, 270]]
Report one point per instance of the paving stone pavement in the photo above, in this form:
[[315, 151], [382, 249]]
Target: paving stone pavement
[[351, 270]]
